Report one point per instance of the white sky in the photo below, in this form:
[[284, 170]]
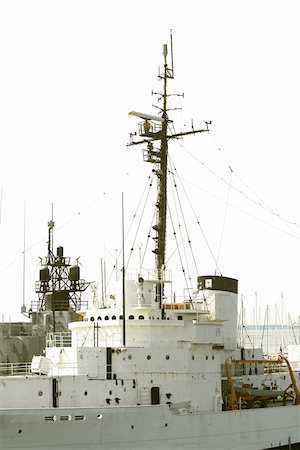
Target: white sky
[[71, 72]]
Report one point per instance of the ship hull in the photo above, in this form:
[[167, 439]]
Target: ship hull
[[148, 427]]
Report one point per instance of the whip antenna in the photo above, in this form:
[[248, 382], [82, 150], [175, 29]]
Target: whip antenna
[[172, 62]]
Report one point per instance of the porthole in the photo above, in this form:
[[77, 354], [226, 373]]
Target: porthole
[[131, 317], [20, 431], [129, 356], [50, 418], [193, 357], [92, 319], [132, 427], [167, 356], [99, 318], [121, 317], [81, 417], [65, 418], [141, 317], [99, 417], [40, 393], [206, 357], [113, 317], [148, 356], [85, 393], [106, 318], [212, 357]]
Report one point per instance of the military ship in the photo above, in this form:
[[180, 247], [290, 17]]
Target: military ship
[[148, 370]]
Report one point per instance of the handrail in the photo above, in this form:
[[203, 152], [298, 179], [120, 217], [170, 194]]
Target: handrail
[[13, 369]]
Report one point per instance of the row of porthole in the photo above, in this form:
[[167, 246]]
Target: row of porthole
[[53, 418], [68, 418], [40, 394], [206, 357], [132, 426], [149, 356], [131, 317], [168, 357]]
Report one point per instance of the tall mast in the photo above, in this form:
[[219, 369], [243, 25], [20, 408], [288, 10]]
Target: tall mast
[[155, 128], [161, 204]]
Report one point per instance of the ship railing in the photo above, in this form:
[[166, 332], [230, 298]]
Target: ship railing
[[35, 306], [13, 369], [62, 339], [252, 369], [96, 338], [114, 340], [92, 369], [149, 128], [9, 329], [80, 305], [149, 274]]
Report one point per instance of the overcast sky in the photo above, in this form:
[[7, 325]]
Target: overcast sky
[[71, 72]]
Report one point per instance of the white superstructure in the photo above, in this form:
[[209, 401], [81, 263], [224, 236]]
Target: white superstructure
[[166, 388]]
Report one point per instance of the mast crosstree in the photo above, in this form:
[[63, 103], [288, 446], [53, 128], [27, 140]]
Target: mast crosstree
[[152, 129]]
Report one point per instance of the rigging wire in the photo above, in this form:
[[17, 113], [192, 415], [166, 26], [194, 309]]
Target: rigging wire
[[198, 223], [240, 209], [181, 243], [131, 224], [267, 209], [243, 328], [264, 327], [141, 217], [148, 237], [224, 219], [261, 201], [67, 222], [180, 216], [149, 185], [179, 253]]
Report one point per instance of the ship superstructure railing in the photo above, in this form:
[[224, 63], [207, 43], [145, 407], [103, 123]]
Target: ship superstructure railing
[[82, 305], [10, 329], [62, 339], [66, 368], [14, 369], [97, 338], [92, 369], [149, 275]]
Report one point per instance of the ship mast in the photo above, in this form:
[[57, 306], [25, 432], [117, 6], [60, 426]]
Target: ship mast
[[152, 129], [161, 204]]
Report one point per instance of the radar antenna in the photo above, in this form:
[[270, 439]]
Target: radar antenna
[[59, 287]]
